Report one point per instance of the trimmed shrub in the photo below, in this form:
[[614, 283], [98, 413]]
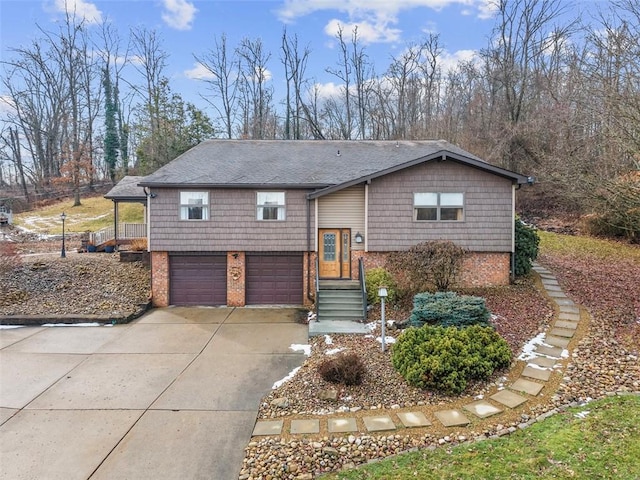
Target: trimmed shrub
[[446, 359], [447, 309], [526, 243], [346, 368], [428, 265], [374, 279]]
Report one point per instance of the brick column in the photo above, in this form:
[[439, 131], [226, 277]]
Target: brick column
[[308, 260], [160, 279], [236, 279]]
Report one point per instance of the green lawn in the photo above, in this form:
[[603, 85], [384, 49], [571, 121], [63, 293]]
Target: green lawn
[[600, 440], [94, 213], [583, 246]]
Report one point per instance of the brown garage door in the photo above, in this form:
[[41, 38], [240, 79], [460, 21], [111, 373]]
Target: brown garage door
[[198, 280], [274, 279]]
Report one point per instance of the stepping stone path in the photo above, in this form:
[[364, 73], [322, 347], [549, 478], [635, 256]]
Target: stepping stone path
[[538, 370]]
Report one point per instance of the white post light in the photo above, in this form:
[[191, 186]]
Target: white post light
[[382, 293]]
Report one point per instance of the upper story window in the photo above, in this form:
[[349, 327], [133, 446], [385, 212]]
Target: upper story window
[[438, 207], [194, 205], [270, 205]]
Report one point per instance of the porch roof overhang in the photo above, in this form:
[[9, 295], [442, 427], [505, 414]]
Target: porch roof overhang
[[128, 191], [439, 156]]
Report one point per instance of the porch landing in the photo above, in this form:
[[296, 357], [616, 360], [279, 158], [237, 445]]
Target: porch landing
[[325, 327]]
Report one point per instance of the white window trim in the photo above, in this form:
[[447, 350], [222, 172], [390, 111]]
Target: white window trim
[[438, 207], [183, 212], [281, 207]]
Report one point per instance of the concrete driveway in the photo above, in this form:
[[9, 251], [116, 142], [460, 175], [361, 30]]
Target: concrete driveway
[[172, 395]]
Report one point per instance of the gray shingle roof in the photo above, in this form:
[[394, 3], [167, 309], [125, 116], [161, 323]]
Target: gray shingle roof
[[305, 163], [127, 189]]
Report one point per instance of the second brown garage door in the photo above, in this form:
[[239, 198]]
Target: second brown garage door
[[198, 279], [273, 279]]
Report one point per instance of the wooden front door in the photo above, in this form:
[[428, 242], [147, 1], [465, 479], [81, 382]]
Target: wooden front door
[[335, 253]]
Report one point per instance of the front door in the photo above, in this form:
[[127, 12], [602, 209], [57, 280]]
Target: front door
[[335, 253]]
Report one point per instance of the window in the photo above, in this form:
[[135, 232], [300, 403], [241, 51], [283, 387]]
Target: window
[[270, 205], [438, 207], [194, 205]]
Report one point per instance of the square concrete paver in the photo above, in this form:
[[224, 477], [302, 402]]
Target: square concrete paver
[[564, 302], [562, 332], [527, 386], [413, 419], [556, 341], [452, 418], [508, 399], [572, 317], [342, 425], [555, 352], [378, 423], [9, 336], [61, 444], [557, 294], [267, 427], [536, 373], [305, 426], [569, 308], [566, 324], [24, 377], [482, 409], [181, 445], [545, 362], [130, 381]]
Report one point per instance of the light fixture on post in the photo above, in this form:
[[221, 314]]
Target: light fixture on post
[[382, 293], [63, 217], [359, 238]]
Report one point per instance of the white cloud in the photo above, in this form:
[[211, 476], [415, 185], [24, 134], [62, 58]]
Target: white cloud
[[367, 32], [199, 72], [178, 14], [328, 90], [79, 8], [378, 16], [449, 61]]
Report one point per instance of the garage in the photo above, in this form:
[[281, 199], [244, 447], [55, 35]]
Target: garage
[[198, 279], [273, 279]]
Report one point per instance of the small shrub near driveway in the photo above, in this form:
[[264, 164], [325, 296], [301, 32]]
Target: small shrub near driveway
[[376, 278], [446, 359], [346, 368], [448, 309]]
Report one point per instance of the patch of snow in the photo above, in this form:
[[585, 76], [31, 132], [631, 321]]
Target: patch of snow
[[529, 348], [311, 316], [372, 326], [328, 340], [7, 327], [333, 351], [564, 354], [74, 324], [298, 347], [533, 365], [582, 414], [368, 336], [479, 397], [387, 340], [291, 374]]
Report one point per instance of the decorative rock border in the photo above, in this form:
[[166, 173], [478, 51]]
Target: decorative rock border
[[545, 357]]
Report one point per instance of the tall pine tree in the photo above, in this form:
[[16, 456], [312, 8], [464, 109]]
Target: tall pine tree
[[111, 139]]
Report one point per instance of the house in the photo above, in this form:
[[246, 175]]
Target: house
[[244, 222]]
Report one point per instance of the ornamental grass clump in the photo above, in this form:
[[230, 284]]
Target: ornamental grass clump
[[448, 309], [447, 358]]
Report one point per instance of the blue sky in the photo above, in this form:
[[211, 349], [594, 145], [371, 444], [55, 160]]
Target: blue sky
[[189, 27]]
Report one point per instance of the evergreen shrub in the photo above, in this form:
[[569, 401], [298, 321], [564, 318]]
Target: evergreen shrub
[[448, 309]]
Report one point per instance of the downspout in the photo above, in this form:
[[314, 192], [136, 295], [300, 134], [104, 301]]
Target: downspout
[[309, 296], [115, 224], [513, 231]]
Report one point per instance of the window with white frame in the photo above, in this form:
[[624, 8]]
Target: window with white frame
[[194, 205], [433, 207], [270, 205]]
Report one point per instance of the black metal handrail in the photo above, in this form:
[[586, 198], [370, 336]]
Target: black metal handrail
[[363, 288], [317, 290]]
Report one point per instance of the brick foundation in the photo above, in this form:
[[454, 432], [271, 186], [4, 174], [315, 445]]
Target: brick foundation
[[309, 273], [236, 279], [160, 279]]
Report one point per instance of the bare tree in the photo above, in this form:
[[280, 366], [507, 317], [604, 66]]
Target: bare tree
[[342, 72], [224, 66], [257, 95]]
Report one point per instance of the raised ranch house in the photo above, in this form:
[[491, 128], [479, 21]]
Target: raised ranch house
[[256, 222]]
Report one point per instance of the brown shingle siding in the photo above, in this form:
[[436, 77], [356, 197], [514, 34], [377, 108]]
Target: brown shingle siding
[[488, 218]]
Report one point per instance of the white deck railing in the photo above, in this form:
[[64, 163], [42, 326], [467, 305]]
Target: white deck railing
[[126, 231]]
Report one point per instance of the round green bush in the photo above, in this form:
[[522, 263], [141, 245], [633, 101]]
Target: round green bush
[[446, 358], [527, 243], [374, 279]]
